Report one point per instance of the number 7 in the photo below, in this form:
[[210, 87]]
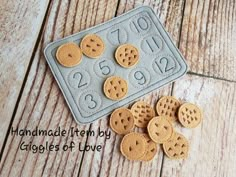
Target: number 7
[[118, 34]]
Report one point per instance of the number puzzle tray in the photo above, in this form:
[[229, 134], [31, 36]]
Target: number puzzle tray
[[160, 63]]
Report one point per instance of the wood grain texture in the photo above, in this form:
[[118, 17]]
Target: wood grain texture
[[207, 37], [169, 12], [110, 162], [42, 105], [212, 143], [20, 23], [204, 30]]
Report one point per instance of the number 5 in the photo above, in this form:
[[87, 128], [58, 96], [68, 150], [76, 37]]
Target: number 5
[[105, 69]]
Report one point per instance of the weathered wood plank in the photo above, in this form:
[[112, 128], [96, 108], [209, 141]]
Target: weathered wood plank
[[42, 104], [207, 37], [110, 162], [212, 144], [20, 23]]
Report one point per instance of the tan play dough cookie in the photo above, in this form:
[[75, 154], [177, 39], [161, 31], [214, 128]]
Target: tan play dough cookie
[[143, 113], [115, 88], [127, 55], [92, 46], [69, 54], [177, 147], [151, 149], [160, 129], [168, 106], [133, 146], [122, 121], [189, 115]]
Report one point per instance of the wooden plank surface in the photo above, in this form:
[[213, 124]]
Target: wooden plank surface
[[42, 104], [20, 23], [110, 162], [212, 144], [208, 37], [204, 32]]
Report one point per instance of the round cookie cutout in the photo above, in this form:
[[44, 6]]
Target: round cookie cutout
[[69, 54], [160, 129], [133, 146], [151, 149], [115, 88], [143, 113], [127, 55], [122, 121], [189, 115], [168, 106], [92, 46], [177, 147]]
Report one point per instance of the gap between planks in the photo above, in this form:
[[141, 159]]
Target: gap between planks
[[30, 63], [90, 126], [172, 86], [25, 79]]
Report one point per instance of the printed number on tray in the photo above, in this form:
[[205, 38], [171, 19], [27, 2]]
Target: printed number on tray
[[139, 77], [140, 25], [104, 68], [117, 35], [152, 44], [90, 101], [164, 65], [79, 79]]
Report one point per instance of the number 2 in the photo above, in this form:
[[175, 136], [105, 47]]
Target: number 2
[[164, 62], [79, 77]]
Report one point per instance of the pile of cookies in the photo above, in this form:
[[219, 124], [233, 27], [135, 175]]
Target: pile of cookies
[[126, 55], [143, 146]]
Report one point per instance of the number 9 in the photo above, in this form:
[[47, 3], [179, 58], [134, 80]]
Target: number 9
[[138, 75]]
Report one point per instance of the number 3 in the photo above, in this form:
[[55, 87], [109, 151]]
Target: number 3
[[89, 97]]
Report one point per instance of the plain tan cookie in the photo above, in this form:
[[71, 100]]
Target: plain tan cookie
[[115, 88], [177, 147], [122, 121], [133, 146], [127, 55], [189, 115], [151, 149], [69, 54], [92, 46], [160, 129], [143, 113], [168, 106]]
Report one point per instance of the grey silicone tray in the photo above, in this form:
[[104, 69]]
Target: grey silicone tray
[[82, 86]]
